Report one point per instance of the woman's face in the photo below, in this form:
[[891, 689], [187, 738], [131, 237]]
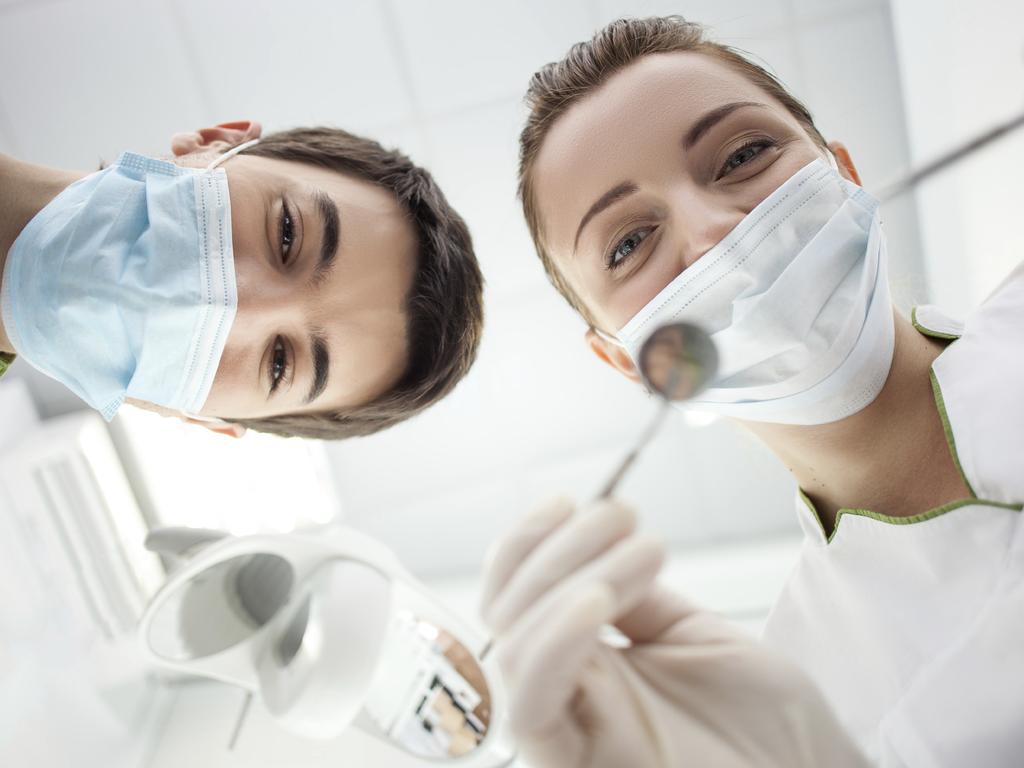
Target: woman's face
[[643, 176], [324, 263]]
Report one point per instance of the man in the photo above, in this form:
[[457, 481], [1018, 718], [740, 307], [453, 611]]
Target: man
[[316, 284]]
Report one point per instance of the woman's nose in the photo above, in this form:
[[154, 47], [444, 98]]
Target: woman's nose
[[702, 222]]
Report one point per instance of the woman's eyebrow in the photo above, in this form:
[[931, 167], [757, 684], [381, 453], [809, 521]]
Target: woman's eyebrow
[[613, 195], [712, 118]]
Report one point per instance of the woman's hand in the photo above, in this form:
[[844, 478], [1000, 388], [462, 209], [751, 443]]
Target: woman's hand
[[686, 689]]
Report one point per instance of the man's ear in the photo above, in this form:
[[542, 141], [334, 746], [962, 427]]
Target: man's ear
[[217, 139], [219, 426], [845, 161], [612, 354], [211, 423]]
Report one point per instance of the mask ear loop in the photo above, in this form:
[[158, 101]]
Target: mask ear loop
[[607, 337], [828, 153], [231, 153]]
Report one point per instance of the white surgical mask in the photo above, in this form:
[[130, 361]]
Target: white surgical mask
[[796, 299], [124, 284]]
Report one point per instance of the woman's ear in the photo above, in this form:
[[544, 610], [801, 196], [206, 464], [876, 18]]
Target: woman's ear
[[612, 354], [217, 139], [846, 166]]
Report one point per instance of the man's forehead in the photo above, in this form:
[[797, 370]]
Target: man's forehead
[[334, 182]]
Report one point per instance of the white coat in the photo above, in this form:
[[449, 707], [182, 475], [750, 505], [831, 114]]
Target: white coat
[[914, 627]]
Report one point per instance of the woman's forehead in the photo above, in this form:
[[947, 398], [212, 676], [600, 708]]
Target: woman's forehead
[[644, 107]]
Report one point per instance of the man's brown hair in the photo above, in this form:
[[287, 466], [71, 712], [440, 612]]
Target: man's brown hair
[[444, 308], [558, 85]]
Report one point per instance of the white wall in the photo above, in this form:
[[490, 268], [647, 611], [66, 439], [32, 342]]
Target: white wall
[[962, 66]]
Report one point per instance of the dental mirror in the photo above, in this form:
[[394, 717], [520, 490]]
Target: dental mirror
[[431, 697], [676, 362]]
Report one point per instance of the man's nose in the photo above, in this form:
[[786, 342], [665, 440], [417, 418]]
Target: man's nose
[[268, 301]]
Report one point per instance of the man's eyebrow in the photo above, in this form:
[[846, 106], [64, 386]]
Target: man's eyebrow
[[330, 221], [321, 364], [613, 195], [710, 119]]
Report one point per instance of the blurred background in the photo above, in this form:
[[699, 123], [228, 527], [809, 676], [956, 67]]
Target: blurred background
[[898, 81]]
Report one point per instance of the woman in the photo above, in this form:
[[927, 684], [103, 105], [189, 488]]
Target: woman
[[666, 178], [309, 282]]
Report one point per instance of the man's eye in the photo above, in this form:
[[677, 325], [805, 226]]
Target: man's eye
[[287, 232], [278, 364], [626, 246]]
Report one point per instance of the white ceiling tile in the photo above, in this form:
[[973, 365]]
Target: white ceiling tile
[[7, 143], [724, 18], [450, 532], [7, 5], [705, 484], [690, 487], [853, 90], [407, 138], [816, 10], [307, 62], [539, 415], [776, 51], [84, 81], [535, 395], [464, 52], [474, 156]]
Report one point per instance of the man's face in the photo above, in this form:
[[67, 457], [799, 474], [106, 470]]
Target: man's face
[[324, 263]]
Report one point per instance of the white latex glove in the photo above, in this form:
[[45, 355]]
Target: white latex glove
[[691, 690]]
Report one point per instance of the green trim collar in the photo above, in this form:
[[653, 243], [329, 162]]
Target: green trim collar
[[931, 513], [928, 331], [947, 429]]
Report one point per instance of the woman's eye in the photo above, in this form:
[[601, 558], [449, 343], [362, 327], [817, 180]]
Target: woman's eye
[[626, 246], [744, 155], [287, 233], [278, 364]]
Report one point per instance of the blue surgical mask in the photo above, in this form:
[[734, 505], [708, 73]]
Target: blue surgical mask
[[124, 285]]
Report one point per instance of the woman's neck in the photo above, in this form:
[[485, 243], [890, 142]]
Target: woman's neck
[[25, 190], [891, 457]]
